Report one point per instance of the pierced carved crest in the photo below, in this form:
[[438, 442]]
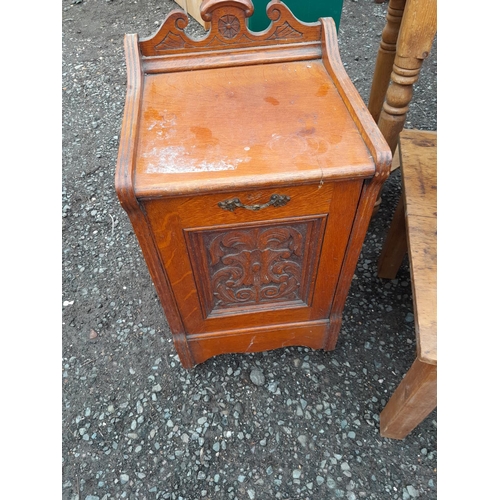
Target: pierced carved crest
[[228, 28]]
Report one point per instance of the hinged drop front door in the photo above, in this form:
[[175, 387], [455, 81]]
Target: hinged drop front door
[[254, 258]]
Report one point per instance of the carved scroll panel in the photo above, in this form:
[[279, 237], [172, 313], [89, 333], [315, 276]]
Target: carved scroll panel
[[241, 269]]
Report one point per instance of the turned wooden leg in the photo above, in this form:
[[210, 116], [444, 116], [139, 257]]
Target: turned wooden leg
[[414, 398], [416, 35], [384, 64], [395, 244], [385, 57]]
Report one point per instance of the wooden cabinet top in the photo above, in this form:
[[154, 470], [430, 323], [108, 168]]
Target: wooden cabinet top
[[240, 108]]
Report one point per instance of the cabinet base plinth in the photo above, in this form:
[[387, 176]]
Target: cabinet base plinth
[[206, 345]]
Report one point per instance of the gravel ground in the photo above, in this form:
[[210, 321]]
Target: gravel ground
[[288, 424]]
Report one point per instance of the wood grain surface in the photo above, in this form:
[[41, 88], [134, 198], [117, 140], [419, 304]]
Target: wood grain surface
[[208, 129], [414, 398], [419, 168]]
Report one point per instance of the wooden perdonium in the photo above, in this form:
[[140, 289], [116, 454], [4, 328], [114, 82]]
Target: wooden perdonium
[[249, 167]]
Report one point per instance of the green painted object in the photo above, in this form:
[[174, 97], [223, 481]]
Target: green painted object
[[306, 11]]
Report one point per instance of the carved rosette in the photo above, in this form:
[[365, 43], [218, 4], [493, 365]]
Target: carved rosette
[[229, 26]]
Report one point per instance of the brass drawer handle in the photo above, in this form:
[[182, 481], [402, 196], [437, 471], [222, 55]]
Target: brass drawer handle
[[276, 200]]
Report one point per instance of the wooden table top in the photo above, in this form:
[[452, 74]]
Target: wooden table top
[[419, 169], [213, 128]]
